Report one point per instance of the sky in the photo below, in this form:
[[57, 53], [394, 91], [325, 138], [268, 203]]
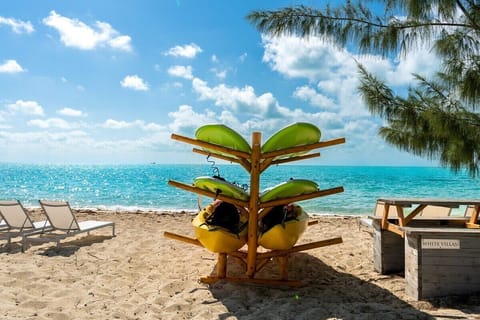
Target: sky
[[108, 82]]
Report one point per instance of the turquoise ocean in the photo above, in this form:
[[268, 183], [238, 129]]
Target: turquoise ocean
[[145, 187]]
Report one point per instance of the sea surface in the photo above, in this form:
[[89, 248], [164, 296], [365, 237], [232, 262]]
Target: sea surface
[[145, 187]]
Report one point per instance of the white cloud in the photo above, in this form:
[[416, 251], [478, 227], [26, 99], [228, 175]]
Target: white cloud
[[18, 26], [134, 82], [121, 42], [114, 124], [239, 100], [71, 112], [220, 74], [243, 57], [11, 66], [117, 125], [186, 118], [302, 58], [214, 58], [309, 94], [42, 136], [421, 61], [181, 71], [185, 51], [26, 107], [75, 33], [50, 123]]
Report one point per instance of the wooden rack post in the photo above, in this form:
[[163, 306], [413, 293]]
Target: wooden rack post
[[253, 205]]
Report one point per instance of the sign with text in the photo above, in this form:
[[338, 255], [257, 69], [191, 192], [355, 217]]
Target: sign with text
[[441, 244]]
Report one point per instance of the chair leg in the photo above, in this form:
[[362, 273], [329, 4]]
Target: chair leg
[[24, 243]]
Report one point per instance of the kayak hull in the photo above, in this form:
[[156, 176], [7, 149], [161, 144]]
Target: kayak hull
[[284, 237], [222, 135], [294, 135], [215, 238]]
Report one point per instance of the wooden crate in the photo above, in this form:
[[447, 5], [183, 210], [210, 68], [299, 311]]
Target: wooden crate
[[388, 251], [389, 247], [441, 261]]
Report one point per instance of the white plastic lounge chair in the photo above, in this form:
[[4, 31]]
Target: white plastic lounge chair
[[64, 223], [17, 222]]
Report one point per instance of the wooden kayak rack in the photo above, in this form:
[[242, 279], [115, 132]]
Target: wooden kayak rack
[[255, 163]]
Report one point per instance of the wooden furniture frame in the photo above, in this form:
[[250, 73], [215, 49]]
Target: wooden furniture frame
[[255, 163], [421, 203]]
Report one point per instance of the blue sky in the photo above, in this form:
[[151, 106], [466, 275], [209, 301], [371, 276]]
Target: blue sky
[[109, 81]]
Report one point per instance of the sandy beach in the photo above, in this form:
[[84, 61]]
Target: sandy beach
[[140, 274]]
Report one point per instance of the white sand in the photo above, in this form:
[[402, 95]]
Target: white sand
[[141, 275]]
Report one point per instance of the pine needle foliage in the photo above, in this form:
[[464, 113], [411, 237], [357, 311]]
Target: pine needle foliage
[[438, 118]]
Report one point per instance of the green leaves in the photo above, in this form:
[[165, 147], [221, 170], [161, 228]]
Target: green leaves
[[437, 119]]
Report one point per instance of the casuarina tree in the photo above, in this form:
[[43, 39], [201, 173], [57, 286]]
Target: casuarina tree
[[437, 117]]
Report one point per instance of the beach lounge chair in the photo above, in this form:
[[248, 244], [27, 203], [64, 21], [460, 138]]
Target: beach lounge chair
[[64, 223], [17, 222]]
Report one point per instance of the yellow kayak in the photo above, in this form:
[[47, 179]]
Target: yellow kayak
[[281, 228], [220, 227]]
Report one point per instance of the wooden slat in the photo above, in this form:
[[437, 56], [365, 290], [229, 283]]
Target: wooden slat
[[395, 229], [179, 237], [414, 213], [451, 203], [386, 208], [302, 247], [309, 147], [272, 161], [296, 158], [474, 217]]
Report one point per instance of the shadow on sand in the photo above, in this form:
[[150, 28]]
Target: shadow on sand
[[326, 294], [66, 248]]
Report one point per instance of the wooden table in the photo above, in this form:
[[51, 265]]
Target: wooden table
[[419, 204]]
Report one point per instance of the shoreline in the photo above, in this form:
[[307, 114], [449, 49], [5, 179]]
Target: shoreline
[[120, 209], [139, 274]]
